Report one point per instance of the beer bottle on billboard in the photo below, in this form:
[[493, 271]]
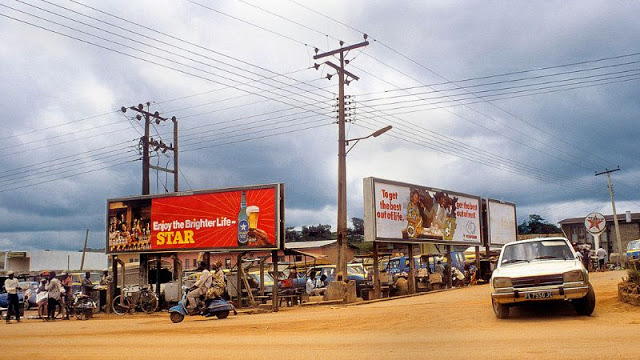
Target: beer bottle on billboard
[[243, 222]]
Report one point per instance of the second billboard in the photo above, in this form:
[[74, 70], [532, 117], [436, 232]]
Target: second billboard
[[404, 212]]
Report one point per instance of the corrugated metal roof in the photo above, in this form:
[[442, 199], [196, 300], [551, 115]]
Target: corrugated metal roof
[[308, 244]]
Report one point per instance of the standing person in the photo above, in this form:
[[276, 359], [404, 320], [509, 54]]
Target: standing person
[[55, 290], [65, 279], [105, 283], [601, 253], [87, 285], [199, 288], [585, 257], [12, 287], [311, 283]]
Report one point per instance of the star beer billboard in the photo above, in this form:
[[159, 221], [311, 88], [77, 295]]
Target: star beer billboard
[[224, 219]]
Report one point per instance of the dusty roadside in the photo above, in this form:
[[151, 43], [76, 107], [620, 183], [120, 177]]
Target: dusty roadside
[[456, 324]]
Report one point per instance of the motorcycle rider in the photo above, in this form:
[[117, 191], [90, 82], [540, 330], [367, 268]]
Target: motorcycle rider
[[199, 288], [218, 284]]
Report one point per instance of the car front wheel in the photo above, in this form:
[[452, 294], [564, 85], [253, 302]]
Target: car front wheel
[[501, 310], [587, 304]]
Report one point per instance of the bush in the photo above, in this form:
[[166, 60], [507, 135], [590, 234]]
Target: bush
[[634, 276]]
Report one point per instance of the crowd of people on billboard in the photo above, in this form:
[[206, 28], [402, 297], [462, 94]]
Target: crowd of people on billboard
[[430, 215], [125, 236]]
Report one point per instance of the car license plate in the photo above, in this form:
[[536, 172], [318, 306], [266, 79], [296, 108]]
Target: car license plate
[[538, 295]]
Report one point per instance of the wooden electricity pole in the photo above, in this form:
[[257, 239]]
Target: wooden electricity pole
[[342, 155], [615, 215], [147, 142]]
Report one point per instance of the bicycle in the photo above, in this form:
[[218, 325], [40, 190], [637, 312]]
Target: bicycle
[[144, 299]]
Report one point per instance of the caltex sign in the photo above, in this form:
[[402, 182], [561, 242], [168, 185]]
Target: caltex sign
[[595, 223]]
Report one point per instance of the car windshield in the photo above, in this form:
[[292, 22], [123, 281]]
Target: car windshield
[[355, 270], [536, 250], [634, 245]]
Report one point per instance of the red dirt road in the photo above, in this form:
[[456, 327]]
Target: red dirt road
[[456, 324]]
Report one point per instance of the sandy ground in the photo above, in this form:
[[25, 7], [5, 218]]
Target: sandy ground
[[454, 324]]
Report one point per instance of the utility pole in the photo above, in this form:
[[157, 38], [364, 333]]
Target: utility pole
[[342, 156], [147, 142], [615, 215]]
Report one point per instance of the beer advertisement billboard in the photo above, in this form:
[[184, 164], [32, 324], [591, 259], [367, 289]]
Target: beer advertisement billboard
[[227, 219], [501, 222], [398, 212]]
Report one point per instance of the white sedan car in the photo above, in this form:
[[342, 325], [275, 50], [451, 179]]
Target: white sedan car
[[543, 269]]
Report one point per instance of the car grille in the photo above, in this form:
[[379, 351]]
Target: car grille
[[533, 281]]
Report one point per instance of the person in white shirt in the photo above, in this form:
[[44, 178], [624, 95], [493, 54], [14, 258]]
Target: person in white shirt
[[12, 287], [601, 253], [311, 283], [199, 288]]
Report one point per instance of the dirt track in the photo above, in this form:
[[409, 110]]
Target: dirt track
[[450, 324]]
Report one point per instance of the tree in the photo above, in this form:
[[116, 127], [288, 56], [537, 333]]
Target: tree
[[314, 233], [356, 234], [292, 235], [535, 224]]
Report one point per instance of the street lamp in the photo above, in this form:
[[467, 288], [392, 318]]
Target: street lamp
[[374, 134], [342, 201]]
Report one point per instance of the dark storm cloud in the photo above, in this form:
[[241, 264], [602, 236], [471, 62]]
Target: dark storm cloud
[[51, 80]]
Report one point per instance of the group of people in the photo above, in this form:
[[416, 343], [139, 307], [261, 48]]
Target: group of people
[[584, 254], [52, 291], [316, 286], [210, 285], [124, 236]]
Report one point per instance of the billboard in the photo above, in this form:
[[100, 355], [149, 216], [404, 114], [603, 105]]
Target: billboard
[[501, 222], [398, 212], [226, 219]]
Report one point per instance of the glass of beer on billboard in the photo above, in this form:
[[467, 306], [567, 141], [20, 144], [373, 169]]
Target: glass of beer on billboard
[[253, 212]]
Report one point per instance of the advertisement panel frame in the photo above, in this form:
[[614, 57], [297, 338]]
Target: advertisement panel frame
[[371, 224], [278, 227], [490, 242]]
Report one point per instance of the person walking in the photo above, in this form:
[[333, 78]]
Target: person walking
[[12, 287], [601, 253], [55, 290]]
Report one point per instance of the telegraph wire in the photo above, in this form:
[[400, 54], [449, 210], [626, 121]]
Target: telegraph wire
[[252, 80], [22, 186], [433, 72]]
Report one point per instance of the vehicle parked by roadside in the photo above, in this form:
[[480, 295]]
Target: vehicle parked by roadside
[[355, 272], [633, 249], [29, 293], [541, 269]]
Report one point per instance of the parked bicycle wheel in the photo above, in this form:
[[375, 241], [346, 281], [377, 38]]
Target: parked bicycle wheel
[[121, 305], [148, 302], [83, 309]]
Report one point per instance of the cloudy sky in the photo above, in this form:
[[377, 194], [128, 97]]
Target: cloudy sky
[[520, 101]]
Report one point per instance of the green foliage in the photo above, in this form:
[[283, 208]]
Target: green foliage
[[535, 224], [634, 276]]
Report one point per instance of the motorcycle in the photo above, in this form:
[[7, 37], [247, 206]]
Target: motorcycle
[[217, 307], [83, 306]]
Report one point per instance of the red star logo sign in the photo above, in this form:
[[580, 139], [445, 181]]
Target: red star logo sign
[[594, 223]]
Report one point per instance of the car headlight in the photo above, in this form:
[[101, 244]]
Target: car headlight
[[502, 282], [573, 276]]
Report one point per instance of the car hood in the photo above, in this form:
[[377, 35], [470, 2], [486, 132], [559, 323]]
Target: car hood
[[537, 267]]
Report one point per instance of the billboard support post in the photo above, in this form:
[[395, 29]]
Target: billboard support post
[[412, 271], [276, 280], [376, 272], [158, 268], [449, 268]]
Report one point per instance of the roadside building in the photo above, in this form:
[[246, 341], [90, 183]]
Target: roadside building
[[629, 224], [23, 262]]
